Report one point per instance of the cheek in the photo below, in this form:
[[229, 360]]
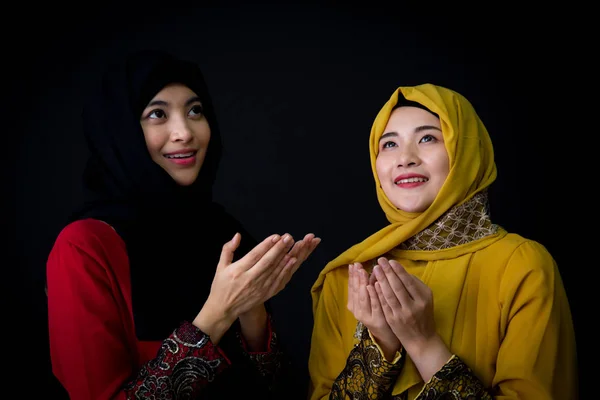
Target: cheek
[[205, 135], [154, 140], [201, 131], [444, 166], [379, 168]]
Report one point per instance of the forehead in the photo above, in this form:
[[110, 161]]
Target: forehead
[[409, 117], [174, 91]]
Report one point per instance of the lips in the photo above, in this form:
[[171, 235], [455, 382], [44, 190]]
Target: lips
[[181, 154], [410, 178]]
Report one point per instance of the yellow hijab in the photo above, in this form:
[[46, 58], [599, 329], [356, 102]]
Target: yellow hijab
[[472, 169]]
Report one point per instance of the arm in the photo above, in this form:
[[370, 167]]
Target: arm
[[258, 340], [268, 358], [333, 372], [367, 372], [254, 329], [90, 330], [537, 357], [186, 362]]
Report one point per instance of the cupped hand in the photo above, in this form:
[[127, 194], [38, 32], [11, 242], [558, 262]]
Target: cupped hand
[[365, 305], [407, 303]]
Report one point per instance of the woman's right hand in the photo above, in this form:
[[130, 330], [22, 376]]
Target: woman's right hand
[[238, 287], [364, 304]]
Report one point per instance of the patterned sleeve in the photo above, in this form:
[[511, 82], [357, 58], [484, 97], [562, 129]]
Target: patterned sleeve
[[456, 381], [186, 362], [268, 363], [367, 375]]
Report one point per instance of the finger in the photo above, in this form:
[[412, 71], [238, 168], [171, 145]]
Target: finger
[[298, 250], [311, 245], [272, 257], [364, 300], [359, 266], [363, 280], [386, 289], [308, 245], [292, 253], [293, 263], [385, 307], [409, 281], [395, 282], [372, 279], [355, 278], [282, 278], [376, 310], [275, 272], [228, 251], [279, 258], [361, 274], [254, 255], [314, 243]]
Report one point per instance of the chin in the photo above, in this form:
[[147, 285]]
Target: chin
[[412, 208], [184, 180]]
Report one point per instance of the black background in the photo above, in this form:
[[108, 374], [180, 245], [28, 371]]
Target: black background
[[296, 88]]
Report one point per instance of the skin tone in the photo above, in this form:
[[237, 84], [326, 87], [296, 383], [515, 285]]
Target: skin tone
[[412, 163], [397, 307], [177, 136]]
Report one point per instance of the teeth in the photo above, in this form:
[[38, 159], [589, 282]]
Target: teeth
[[183, 155], [411, 180]]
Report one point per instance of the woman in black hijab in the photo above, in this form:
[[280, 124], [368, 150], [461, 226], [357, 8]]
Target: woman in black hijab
[[145, 297]]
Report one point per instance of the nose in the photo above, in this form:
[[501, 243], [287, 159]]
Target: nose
[[180, 130], [407, 156]]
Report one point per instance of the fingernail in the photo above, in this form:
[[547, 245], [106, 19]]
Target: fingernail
[[275, 238], [286, 238]]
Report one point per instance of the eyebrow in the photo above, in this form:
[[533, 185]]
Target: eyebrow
[[164, 103], [416, 130]]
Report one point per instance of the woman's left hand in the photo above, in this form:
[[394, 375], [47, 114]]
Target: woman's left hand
[[285, 270], [407, 303], [300, 252], [254, 321], [408, 308]]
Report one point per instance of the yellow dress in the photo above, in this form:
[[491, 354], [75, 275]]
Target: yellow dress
[[499, 301]]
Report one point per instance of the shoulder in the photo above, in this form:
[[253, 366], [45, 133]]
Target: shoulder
[[514, 249], [529, 263], [90, 235], [527, 251], [86, 229]]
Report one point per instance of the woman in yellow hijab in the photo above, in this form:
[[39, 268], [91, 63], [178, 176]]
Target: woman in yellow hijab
[[500, 326]]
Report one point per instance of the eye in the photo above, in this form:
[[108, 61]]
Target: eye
[[156, 114], [427, 138], [196, 110], [387, 145]]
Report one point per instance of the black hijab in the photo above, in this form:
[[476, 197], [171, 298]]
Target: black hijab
[[173, 234]]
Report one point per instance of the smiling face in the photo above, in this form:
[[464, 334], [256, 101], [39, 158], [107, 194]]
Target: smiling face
[[412, 161], [176, 132]]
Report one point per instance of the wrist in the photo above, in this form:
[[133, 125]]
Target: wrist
[[255, 314], [213, 322], [388, 344], [253, 325], [429, 355]]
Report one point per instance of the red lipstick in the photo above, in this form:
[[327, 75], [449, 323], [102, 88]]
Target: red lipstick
[[182, 157]]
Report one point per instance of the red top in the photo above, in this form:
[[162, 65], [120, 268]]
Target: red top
[[94, 350]]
